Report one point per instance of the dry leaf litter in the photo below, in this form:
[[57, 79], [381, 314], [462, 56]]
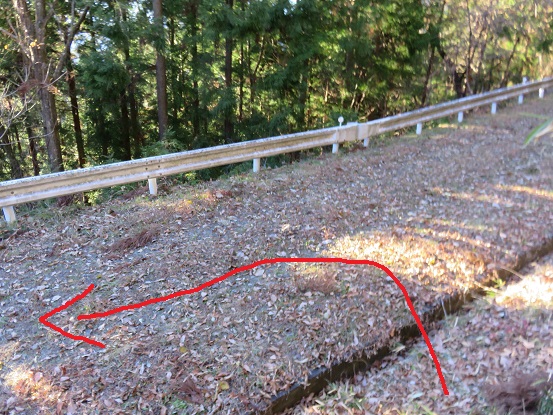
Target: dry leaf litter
[[497, 359], [440, 211]]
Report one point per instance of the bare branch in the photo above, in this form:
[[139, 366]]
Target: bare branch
[[17, 98], [49, 15], [9, 34], [67, 49], [72, 13]]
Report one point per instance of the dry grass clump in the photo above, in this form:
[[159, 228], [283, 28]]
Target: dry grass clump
[[520, 394], [138, 240], [325, 284], [316, 279], [68, 200], [134, 193]]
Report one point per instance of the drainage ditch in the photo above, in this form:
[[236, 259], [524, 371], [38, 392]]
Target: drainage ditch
[[321, 377]]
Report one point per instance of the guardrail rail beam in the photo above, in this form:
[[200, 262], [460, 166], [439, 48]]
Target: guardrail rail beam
[[30, 189]]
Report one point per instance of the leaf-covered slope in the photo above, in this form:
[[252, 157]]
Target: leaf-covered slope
[[440, 211]]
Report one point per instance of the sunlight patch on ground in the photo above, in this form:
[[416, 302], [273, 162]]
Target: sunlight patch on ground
[[495, 200], [427, 259], [24, 383], [535, 291], [548, 194]]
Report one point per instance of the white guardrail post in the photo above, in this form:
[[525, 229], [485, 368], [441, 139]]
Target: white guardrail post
[[30, 189], [256, 165], [152, 186], [9, 214], [521, 96], [494, 107], [336, 146], [419, 128]]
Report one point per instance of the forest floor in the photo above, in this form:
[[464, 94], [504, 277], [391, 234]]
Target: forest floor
[[442, 211], [495, 350]]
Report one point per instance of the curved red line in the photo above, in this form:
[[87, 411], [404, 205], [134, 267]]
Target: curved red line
[[246, 268]]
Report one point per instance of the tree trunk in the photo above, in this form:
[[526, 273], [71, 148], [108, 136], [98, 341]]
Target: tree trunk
[[193, 21], [176, 96], [458, 83], [135, 130], [434, 32], [33, 45], [32, 147], [426, 86], [241, 89], [457, 76], [125, 128], [253, 73], [507, 73], [161, 72], [241, 74], [229, 43], [17, 141], [15, 166], [81, 160], [301, 120], [35, 48], [51, 129]]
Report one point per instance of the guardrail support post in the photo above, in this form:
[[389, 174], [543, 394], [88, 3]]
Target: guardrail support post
[[366, 142], [494, 107], [541, 92], [256, 165], [521, 96], [9, 214], [152, 184], [419, 128], [336, 146], [460, 117]]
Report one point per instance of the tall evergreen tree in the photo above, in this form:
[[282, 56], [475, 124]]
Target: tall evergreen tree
[[198, 73], [32, 36], [161, 69]]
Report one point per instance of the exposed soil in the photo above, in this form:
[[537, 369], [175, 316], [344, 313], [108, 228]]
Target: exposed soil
[[442, 211]]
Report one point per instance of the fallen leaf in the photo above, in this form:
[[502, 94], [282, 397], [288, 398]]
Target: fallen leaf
[[37, 376]]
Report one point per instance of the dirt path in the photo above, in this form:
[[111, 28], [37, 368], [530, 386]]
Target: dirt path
[[441, 211]]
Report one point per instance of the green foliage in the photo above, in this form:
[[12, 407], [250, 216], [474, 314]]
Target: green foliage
[[104, 80], [545, 406], [167, 146], [294, 66], [541, 130]]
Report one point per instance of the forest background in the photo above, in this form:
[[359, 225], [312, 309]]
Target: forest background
[[86, 83]]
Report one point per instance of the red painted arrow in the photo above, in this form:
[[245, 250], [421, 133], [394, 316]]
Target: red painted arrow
[[45, 317]]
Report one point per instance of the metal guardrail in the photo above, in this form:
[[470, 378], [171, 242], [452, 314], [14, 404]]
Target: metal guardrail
[[15, 192]]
